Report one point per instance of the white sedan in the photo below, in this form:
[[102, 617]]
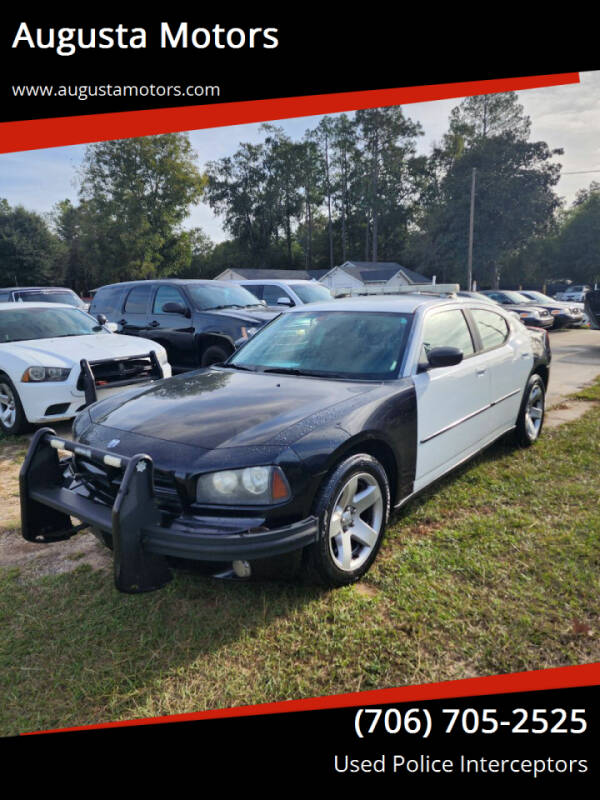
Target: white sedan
[[56, 359]]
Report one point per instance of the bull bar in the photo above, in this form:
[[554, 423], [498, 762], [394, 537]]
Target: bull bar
[[141, 538], [46, 508]]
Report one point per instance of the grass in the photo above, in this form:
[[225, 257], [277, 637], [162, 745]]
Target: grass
[[494, 570]]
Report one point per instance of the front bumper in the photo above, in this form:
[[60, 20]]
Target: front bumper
[[143, 534], [538, 322]]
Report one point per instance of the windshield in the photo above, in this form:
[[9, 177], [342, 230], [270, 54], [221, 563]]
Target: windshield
[[66, 296], [345, 344], [517, 297], [311, 294], [25, 324], [205, 296], [542, 298]]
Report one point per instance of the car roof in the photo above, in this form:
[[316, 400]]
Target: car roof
[[406, 303], [32, 306], [285, 281], [36, 289], [177, 281]]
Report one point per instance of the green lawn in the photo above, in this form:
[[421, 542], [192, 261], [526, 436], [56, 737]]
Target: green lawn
[[495, 570]]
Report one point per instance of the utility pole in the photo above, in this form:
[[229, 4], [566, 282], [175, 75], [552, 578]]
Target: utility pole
[[471, 225]]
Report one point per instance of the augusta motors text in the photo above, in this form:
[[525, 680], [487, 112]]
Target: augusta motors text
[[67, 41]]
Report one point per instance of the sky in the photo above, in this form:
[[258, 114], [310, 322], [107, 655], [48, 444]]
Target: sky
[[565, 117]]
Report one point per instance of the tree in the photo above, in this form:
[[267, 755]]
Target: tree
[[388, 142], [68, 222], [135, 195], [515, 202], [486, 115], [577, 244], [29, 252]]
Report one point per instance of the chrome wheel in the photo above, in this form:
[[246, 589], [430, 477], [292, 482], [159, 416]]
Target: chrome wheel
[[534, 412], [356, 522], [8, 407]]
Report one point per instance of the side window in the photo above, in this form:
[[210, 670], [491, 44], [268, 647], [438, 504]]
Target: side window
[[137, 299], [447, 329], [167, 294], [255, 289], [492, 328], [272, 294], [5, 297], [107, 301]]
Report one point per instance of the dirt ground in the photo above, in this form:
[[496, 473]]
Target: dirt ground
[[38, 559]]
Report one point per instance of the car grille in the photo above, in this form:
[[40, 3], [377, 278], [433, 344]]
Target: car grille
[[102, 483]]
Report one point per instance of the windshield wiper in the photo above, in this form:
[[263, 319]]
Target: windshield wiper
[[218, 308], [289, 371], [241, 366]]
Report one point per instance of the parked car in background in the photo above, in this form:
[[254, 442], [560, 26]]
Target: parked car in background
[[565, 314], [56, 359], [529, 313], [287, 294], [198, 322], [577, 292], [305, 438], [41, 294]]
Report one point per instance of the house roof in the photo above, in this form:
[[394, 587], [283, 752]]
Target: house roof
[[380, 271], [280, 274]]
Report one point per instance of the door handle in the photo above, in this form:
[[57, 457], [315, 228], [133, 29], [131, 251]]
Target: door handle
[[481, 372], [154, 324]]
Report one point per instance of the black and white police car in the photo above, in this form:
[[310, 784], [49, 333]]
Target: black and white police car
[[330, 416]]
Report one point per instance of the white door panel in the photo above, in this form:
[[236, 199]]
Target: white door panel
[[454, 415]]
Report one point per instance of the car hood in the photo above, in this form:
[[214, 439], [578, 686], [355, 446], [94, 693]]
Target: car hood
[[526, 307], [224, 408], [249, 315], [67, 351]]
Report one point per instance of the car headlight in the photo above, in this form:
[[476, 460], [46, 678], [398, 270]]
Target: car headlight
[[40, 374], [249, 486]]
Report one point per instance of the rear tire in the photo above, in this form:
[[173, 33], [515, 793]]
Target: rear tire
[[531, 415], [352, 507]]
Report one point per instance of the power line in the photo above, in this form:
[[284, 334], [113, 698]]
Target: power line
[[581, 172]]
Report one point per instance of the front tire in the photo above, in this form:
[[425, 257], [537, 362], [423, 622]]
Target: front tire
[[213, 355], [12, 417], [531, 416], [352, 507]]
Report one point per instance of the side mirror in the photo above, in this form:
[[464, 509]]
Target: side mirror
[[101, 319], [284, 301], [175, 308], [444, 357]]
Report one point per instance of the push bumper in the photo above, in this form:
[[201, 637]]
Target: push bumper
[[64, 399], [142, 534]]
